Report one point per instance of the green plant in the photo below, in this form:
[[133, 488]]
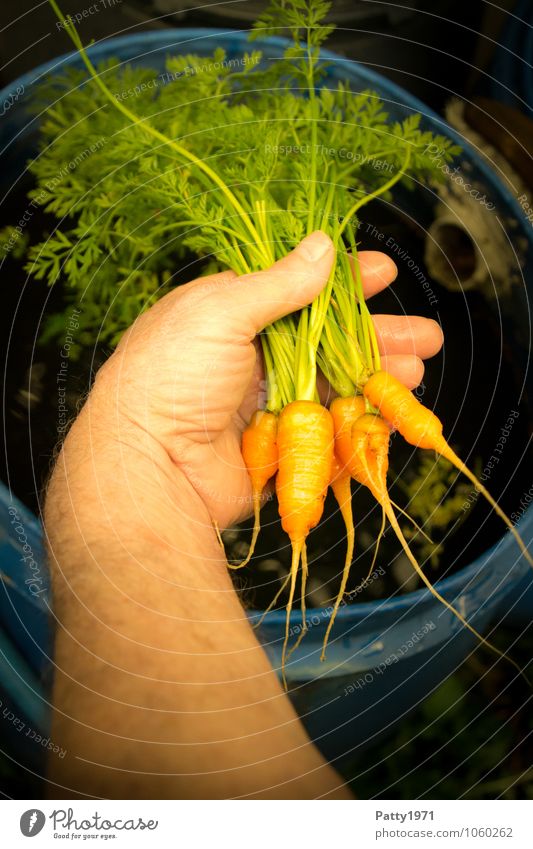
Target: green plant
[[434, 482], [466, 739], [175, 169]]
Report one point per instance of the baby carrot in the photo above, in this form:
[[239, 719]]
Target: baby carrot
[[260, 453], [370, 437], [345, 411], [305, 446], [421, 427]]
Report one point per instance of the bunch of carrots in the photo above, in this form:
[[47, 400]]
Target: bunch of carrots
[[295, 438], [308, 447]]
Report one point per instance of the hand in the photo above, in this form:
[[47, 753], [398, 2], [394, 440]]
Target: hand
[[161, 687], [188, 372]]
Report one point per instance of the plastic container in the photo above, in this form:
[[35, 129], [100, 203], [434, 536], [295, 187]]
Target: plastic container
[[385, 657], [511, 73]]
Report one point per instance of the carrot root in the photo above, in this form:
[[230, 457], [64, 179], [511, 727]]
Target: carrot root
[[304, 630], [297, 546], [305, 446], [365, 580], [342, 491], [256, 496], [420, 572], [412, 521], [450, 455], [373, 460], [273, 602], [378, 542], [219, 536], [422, 428], [260, 455]]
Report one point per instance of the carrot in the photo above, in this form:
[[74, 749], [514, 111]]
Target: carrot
[[341, 488], [305, 446], [370, 438], [421, 427], [345, 411], [260, 453], [370, 459]]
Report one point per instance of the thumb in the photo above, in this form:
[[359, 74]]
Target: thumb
[[291, 283]]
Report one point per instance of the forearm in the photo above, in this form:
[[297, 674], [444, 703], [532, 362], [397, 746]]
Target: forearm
[[161, 688]]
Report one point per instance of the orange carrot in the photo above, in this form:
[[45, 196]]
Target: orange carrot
[[345, 411], [370, 459], [421, 427], [341, 487], [305, 446], [260, 453], [370, 439]]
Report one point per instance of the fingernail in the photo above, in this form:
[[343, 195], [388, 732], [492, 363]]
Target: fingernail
[[315, 246]]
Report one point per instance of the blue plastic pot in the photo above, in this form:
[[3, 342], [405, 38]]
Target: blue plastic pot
[[511, 73], [385, 657]]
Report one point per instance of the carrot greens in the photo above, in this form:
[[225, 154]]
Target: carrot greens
[[231, 161]]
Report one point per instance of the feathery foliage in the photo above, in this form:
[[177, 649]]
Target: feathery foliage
[[232, 161]]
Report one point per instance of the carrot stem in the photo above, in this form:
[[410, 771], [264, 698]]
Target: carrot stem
[[182, 151]]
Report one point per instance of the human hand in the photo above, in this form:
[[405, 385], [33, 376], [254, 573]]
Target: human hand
[[142, 594], [188, 372]]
